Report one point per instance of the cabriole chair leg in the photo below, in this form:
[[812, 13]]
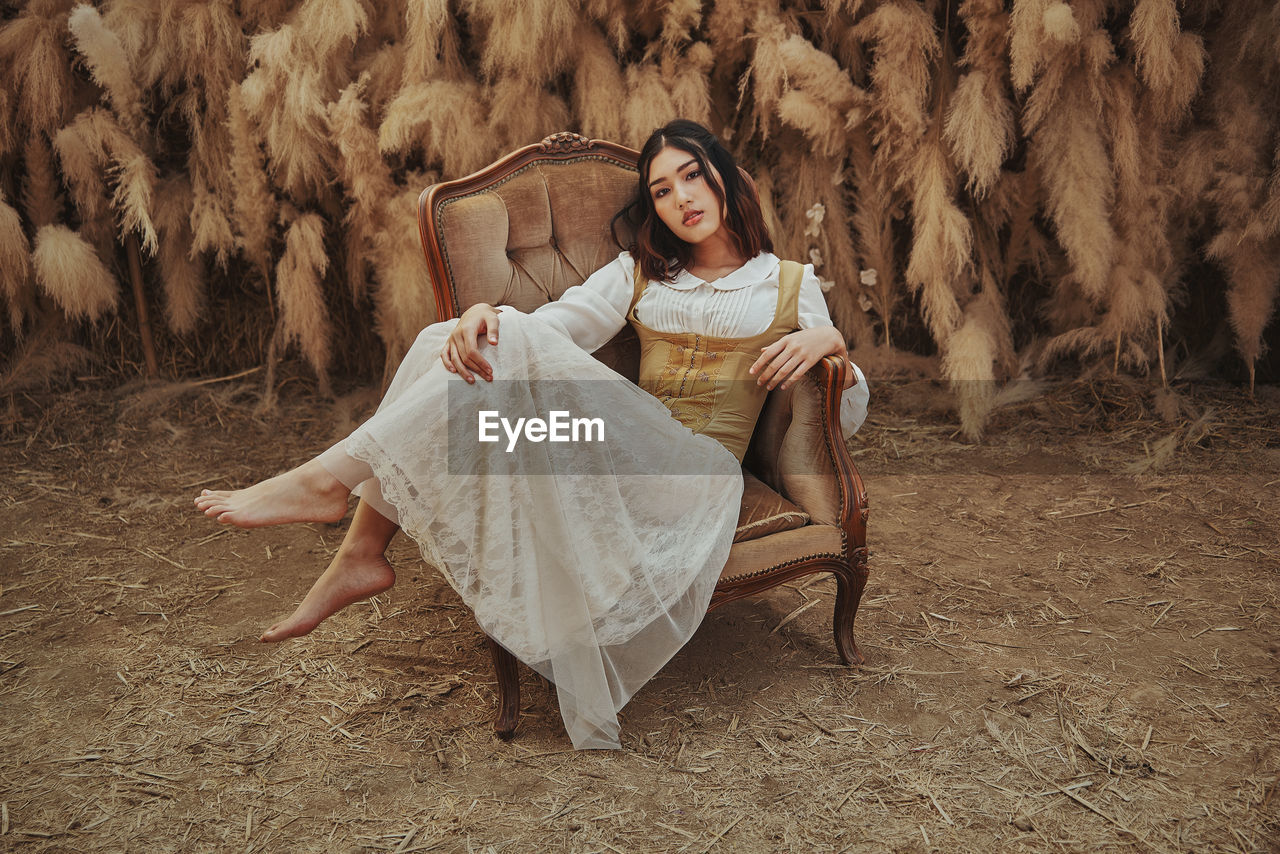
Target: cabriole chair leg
[[849, 586], [505, 665]]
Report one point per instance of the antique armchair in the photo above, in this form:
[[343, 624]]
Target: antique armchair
[[526, 228]]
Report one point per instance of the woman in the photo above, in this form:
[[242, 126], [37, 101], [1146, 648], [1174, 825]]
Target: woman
[[597, 576]]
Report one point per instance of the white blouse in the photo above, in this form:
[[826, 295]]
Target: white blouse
[[737, 305]]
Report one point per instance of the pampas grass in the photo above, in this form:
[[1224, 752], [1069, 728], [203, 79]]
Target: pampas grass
[[599, 93], [679, 19], [906, 44], [39, 67], [431, 43], [648, 103], [980, 129], [401, 307], [531, 40], [939, 265], [364, 175], [520, 113], [70, 273], [80, 158], [106, 58], [960, 174], [801, 182], [15, 267], [148, 47], [96, 135], [181, 274], [253, 205], [874, 212], [285, 97], [443, 119], [40, 189], [687, 77], [299, 288], [981, 342], [329, 26], [1069, 150], [6, 122], [818, 99]]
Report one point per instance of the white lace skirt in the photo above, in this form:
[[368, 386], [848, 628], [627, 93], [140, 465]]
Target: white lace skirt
[[592, 562]]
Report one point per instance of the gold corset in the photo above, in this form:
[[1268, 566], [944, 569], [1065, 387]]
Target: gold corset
[[702, 379]]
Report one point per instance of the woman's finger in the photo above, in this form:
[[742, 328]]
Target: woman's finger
[[799, 371], [480, 365], [785, 369], [469, 347], [766, 355], [459, 361], [776, 360], [761, 364], [492, 323]]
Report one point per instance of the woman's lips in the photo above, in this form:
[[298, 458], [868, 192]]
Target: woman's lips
[[692, 218]]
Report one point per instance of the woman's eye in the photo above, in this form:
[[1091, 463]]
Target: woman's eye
[[659, 194], [696, 173]]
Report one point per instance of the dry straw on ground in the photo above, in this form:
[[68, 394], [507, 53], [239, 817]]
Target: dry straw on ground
[[1005, 185], [1077, 657]]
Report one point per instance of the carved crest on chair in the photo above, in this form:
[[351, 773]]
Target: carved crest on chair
[[564, 142]]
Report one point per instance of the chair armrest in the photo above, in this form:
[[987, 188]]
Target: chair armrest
[[799, 451]]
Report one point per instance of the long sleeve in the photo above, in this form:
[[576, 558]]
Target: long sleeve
[[591, 313], [812, 311]]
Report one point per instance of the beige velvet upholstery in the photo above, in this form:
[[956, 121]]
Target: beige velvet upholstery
[[764, 511], [534, 235], [525, 229], [756, 556], [789, 451]]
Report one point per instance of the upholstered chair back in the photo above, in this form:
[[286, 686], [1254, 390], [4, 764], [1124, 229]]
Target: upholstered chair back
[[523, 231]]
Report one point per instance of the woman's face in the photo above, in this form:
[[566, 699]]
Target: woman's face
[[682, 195]]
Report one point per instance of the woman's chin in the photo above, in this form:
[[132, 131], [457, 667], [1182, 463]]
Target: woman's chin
[[695, 233]]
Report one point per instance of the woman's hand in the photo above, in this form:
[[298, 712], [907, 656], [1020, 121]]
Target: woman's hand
[[791, 356], [461, 350]]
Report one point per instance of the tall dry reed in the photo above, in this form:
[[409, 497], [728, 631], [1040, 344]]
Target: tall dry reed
[[993, 183]]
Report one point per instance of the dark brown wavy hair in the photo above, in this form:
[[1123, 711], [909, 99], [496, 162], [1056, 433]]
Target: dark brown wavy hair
[[660, 254]]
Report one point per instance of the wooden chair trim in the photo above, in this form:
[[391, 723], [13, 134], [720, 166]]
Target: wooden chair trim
[[768, 577], [851, 580], [562, 147], [831, 375]]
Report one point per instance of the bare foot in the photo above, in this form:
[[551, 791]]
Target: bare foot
[[309, 493], [350, 578]]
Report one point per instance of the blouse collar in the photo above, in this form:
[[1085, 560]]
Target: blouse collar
[[757, 269]]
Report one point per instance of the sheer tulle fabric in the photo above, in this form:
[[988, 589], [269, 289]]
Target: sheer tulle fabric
[[592, 578]]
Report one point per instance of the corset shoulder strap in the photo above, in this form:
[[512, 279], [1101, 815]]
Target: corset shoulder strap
[[638, 284], [787, 315]]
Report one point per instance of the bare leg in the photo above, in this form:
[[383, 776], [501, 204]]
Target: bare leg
[[309, 493], [359, 570]]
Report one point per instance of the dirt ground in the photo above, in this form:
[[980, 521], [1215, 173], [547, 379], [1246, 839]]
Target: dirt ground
[[1070, 631]]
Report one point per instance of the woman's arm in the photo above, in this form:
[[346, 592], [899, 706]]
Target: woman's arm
[[591, 313], [588, 314], [789, 358]]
